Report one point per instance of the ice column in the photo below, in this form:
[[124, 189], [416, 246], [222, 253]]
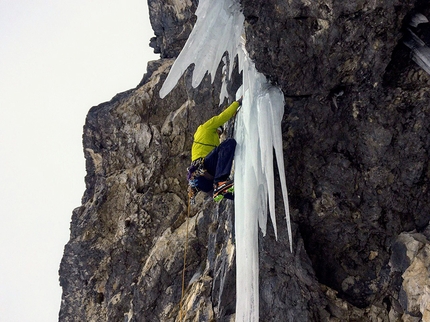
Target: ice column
[[218, 29], [258, 132]]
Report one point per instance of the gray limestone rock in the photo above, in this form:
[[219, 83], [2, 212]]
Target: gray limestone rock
[[356, 145]]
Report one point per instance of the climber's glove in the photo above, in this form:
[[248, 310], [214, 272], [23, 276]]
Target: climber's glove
[[240, 100]]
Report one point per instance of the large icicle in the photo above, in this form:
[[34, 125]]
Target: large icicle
[[218, 27], [258, 132]]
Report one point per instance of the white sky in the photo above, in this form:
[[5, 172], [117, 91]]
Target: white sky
[[57, 59]]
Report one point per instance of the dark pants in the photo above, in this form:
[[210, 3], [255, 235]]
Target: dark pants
[[218, 163]]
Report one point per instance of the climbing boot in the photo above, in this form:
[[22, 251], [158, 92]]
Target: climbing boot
[[221, 188]]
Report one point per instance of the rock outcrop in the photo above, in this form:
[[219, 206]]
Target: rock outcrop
[[356, 145]]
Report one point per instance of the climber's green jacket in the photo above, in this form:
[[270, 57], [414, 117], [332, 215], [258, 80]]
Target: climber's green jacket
[[206, 137]]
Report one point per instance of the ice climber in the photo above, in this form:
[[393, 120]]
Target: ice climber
[[211, 162]]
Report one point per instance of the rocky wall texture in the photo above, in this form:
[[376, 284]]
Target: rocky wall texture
[[356, 144]]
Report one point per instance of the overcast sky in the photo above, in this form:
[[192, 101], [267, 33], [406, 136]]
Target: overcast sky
[[57, 60]]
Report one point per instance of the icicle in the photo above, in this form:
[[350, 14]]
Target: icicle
[[258, 132], [219, 24]]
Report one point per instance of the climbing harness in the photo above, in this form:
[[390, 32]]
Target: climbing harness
[[195, 170], [197, 142]]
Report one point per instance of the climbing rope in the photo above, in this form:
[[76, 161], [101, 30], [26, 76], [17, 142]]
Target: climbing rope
[[185, 262], [182, 312]]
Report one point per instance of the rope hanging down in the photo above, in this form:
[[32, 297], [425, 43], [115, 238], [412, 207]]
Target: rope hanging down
[[182, 312], [185, 262]]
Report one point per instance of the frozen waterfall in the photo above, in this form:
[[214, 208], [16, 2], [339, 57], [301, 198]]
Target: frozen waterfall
[[257, 132]]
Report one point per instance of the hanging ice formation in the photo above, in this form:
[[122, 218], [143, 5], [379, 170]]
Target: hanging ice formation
[[420, 50], [258, 132]]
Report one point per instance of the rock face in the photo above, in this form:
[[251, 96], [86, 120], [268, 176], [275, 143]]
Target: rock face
[[356, 145]]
